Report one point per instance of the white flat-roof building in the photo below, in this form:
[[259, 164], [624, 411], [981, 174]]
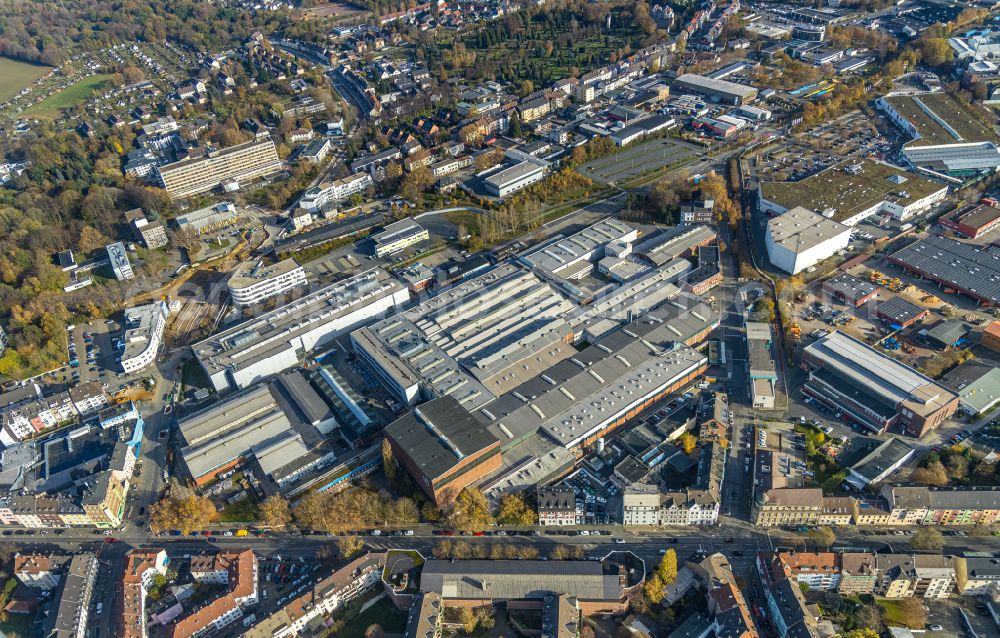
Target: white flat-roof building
[[279, 339], [253, 282], [801, 238], [573, 257], [119, 261], [948, 138], [397, 236], [514, 178], [144, 327]]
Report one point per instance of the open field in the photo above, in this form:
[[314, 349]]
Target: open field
[[15, 75], [70, 96], [335, 10], [636, 160]]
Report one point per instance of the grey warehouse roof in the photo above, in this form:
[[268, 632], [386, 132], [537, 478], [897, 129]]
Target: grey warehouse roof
[[579, 395], [519, 579], [966, 266], [438, 434]]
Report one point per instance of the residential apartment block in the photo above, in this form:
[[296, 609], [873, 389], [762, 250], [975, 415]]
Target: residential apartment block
[[144, 326], [237, 573], [36, 571], [920, 575], [557, 506], [219, 168], [342, 586], [141, 565], [644, 504], [72, 600]]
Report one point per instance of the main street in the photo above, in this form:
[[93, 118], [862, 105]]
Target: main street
[[737, 539]]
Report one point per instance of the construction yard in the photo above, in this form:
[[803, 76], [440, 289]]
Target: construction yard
[[895, 319]]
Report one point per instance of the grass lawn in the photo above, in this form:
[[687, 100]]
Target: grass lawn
[[17, 626], [15, 75], [382, 613], [70, 96], [244, 511], [892, 612]]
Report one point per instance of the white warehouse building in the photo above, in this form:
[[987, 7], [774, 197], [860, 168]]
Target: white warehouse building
[[398, 236], [801, 238], [512, 179], [278, 340], [253, 282]]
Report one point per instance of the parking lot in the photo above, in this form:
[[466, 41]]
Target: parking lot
[[957, 616], [92, 356], [804, 154], [638, 159]]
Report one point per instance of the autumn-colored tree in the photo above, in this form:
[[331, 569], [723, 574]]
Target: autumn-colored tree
[[654, 589], [90, 239], [352, 509], [348, 546], [560, 552], [185, 514], [865, 632], [374, 631], [468, 620], [822, 536], [667, 569], [388, 460], [927, 538], [527, 552], [936, 52], [688, 442], [470, 511], [514, 511], [275, 512], [934, 474], [443, 549], [913, 612]]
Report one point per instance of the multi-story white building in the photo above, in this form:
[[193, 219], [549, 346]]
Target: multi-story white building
[[801, 238], [557, 506], [119, 261], [515, 177], [234, 164], [315, 199], [920, 575], [644, 504], [35, 571], [144, 327], [819, 570], [253, 282], [238, 573], [277, 340], [341, 587]]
